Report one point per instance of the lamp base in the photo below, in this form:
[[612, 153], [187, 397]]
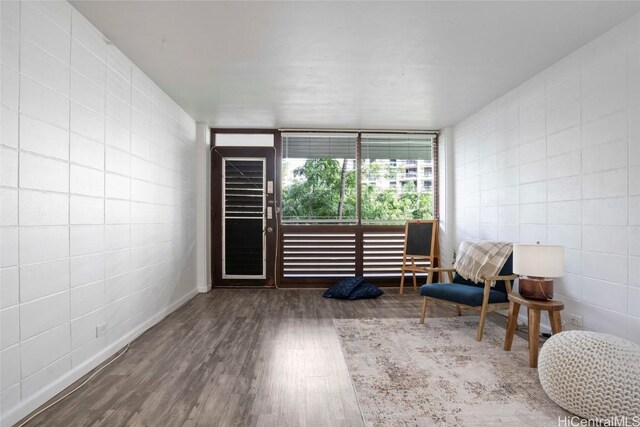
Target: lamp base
[[536, 288]]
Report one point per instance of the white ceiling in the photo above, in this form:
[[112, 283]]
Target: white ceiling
[[352, 65]]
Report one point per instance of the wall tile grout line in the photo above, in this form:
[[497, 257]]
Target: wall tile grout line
[[104, 180], [19, 188], [581, 158], [69, 175], [129, 293], [628, 63]]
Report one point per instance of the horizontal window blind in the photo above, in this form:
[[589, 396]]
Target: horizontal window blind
[[319, 146], [397, 146]]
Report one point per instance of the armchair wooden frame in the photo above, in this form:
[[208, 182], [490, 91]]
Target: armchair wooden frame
[[489, 282]]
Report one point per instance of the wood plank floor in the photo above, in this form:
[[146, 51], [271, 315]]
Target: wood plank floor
[[235, 357]]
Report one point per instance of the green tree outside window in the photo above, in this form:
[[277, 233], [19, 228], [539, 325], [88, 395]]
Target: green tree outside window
[[324, 190]]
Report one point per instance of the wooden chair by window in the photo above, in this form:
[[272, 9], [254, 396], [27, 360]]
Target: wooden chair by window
[[421, 249], [489, 295]]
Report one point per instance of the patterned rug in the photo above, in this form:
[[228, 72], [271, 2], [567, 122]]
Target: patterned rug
[[407, 374]]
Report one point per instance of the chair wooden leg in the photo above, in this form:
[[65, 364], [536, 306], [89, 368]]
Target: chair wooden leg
[[424, 310], [402, 282], [514, 308], [534, 333], [415, 283], [483, 316], [556, 322], [483, 310]]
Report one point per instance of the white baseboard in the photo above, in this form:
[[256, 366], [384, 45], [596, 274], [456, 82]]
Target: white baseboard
[[27, 406]]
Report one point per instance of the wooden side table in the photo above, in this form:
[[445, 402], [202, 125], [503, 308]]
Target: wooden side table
[[533, 314]]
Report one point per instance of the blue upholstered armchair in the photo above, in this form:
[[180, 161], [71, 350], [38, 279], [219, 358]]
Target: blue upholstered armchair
[[488, 295]]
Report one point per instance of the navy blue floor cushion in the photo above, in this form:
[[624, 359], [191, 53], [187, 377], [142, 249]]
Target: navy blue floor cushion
[[366, 291], [353, 288], [343, 288]]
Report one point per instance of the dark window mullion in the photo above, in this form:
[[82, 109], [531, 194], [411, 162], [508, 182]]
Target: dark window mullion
[[359, 179], [359, 234]]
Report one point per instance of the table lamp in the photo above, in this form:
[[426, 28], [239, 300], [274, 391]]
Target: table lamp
[[536, 264]]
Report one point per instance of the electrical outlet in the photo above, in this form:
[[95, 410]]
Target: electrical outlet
[[101, 329], [575, 320]]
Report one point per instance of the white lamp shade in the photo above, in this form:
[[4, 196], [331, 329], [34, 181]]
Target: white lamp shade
[[538, 260]]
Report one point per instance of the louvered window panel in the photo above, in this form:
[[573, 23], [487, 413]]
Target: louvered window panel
[[382, 253], [319, 254], [244, 189]]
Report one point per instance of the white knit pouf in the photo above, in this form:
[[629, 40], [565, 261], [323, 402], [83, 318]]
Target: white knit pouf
[[592, 375]]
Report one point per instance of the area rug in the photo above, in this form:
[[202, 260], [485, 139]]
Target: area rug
[[407, 374]]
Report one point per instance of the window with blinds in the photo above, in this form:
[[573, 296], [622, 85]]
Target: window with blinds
[[320, 183], [397, 178], [319, 178], [320, 186]]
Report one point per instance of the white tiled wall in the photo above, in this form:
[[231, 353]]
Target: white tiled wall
[[97, 197], [557, 160]]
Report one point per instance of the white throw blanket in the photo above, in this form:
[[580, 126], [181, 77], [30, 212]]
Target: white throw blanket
[[481, 258]]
